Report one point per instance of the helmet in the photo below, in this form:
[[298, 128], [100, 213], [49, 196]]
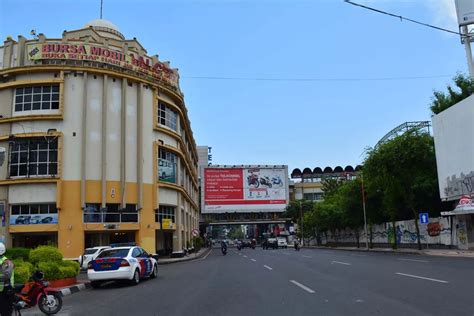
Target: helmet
[[2, 249]]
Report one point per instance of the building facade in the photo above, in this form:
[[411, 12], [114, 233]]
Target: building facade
[[96, 146]]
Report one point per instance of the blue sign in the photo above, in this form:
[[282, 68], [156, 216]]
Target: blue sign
[[424, 218]]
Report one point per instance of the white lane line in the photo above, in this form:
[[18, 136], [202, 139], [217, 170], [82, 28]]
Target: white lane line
[[253, 260], [269, 268], [420, 277], [340, 262], [307, 256], [286, 253], [206, 255], [307, 289], [245, 256], [414, 260]]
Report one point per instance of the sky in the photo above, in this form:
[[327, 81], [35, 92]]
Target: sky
[[369, 72]]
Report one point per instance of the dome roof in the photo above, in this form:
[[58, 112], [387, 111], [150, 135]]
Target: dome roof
[[102, 23]]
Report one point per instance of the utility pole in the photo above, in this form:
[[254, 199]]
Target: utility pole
[[467, 45], [365, 215], [301, 222]]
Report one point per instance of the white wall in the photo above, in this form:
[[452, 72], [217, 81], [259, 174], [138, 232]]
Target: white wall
[[114, 124], [32, 193], [147, 126], [94, 128], [131, 133], [453, 131], [167, 196]]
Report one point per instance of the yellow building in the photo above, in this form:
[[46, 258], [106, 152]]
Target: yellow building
[[95, 144]]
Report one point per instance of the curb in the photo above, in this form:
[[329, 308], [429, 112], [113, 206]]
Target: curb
[[399, 251], [74, 288], [185, 259]]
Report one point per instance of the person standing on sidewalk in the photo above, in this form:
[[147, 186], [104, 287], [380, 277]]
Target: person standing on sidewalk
[[6, 283]]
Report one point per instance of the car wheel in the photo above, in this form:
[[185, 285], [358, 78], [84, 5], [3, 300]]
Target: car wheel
[[154, 273], [136, 278], [95, 284]]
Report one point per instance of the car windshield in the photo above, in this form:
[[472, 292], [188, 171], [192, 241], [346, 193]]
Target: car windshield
[[116, 253], [90, 251]]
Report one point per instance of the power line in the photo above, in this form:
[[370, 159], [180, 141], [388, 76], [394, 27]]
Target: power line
[[404, 18], [312, 79]]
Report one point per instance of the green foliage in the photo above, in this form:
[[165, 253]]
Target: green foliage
[[45, 254], [15, 253], [67, 272], [295, 209], [51, 270], [71, 264], [22, 273], [330, 186], [441, 101], [236, 233], [198, 242]]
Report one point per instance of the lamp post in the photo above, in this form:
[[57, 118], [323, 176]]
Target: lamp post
[[301, 222]]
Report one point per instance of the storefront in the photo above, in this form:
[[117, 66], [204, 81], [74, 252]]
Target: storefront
[[464, 219], [94, 239], [33, 240]]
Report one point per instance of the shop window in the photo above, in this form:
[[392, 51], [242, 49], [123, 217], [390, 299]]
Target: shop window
[[165, 212], [167, 162], [37, 98], [26, 214], [167, 116], [112, 213], [31, 157]]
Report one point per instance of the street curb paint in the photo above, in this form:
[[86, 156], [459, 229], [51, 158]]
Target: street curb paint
[[75, 288]]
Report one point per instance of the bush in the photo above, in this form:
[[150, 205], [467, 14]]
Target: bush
[[51, 270], [22, 273], [45, 254], [71, 264], [198, 243], [15, 253], [67, 272]]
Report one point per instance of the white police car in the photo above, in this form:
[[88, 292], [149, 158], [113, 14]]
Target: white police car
[[122, 263]]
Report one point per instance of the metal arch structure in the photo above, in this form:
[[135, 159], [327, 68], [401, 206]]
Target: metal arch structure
[[403, 128]]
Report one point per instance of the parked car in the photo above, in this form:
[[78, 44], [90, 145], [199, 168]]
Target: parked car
[[282, 242], [89, 255], [122, 264], [270, 242]]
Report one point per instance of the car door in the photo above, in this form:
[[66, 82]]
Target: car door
[[147, 264]]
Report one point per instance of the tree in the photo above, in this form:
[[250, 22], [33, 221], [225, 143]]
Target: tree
[[441, 101], [330, 186], [403, 170], [350, 202]]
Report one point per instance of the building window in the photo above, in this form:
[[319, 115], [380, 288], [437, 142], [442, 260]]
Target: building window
[[167, 117], [313, 196], [112, 213], [167, 162], [30, 157], [26, 214], [165, 212], [37, 98]]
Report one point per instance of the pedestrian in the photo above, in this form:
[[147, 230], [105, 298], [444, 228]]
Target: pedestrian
[[6, 283]]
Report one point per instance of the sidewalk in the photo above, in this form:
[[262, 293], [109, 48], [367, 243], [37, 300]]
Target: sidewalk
[[197, 255], [427, 252]]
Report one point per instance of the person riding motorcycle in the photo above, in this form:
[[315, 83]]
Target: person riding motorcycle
[[223, 247], [6, 283], [297, 244]]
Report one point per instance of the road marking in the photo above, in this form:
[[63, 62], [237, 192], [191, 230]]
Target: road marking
[[286, 253], [206, 255], [245, 256], [339, 262], [269, 268], [253, 260], [420, 277], [307, 256], [357, 255], [307, 289], [414, 260]]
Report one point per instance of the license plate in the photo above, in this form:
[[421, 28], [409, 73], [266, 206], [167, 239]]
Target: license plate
[[106, 266]]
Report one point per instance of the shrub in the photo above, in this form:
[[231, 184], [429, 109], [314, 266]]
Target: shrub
[[71, 264], [198, 243], [51, 270], [15, 253], [22, 273], [45, 254], [67, 272]]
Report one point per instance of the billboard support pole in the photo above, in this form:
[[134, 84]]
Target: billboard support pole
[[467, 45]]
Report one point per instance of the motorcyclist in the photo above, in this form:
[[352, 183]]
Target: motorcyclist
[[223, 246], [6, 283], [297, 244], [253, 243]]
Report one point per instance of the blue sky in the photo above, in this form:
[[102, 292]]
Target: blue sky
[[299, 123]]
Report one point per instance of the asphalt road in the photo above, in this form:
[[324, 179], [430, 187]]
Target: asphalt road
[[286, 282]]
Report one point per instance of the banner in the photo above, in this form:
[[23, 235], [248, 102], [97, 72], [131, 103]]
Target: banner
[[33, 219], [167, 223], [96, 53], [245, 189]]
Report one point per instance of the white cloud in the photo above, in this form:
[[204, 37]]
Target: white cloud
[[444, 13]]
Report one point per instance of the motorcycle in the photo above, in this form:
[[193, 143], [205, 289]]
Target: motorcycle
[[224, 250], [253, 180], [277, 181], [266, 181], [37, 292], [297, 246]]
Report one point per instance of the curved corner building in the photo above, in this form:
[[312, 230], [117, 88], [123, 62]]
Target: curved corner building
[[96, 146]]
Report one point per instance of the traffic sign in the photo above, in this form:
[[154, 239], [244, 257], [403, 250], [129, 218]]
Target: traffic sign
[[195, 232], [424, 218]]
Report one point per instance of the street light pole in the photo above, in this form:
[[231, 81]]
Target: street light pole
[[365, 216], [301, 222]]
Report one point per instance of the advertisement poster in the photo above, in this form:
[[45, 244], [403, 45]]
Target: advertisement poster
[[166, 170], [245, 190], [33, 219]]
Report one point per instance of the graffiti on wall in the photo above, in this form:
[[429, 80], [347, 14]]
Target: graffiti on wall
[[462, 236], [458, 186]]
